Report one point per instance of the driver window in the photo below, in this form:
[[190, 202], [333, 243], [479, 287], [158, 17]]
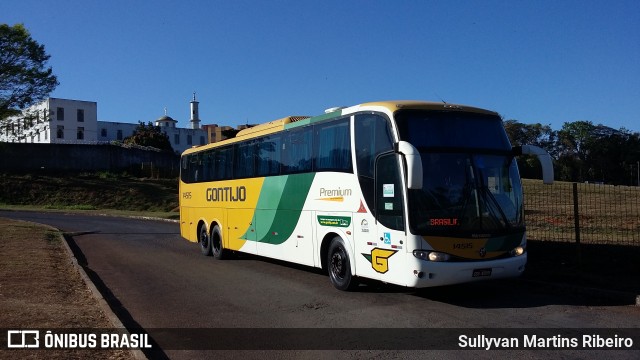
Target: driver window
[[389, 191], [373, 137]]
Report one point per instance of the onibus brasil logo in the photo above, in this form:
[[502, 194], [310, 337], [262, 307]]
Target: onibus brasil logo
[[33, 339]]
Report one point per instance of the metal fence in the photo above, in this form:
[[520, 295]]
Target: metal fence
[[582, 213], [139, 161]]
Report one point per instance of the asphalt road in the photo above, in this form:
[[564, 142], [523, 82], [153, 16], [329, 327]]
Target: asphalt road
[[154, 279]]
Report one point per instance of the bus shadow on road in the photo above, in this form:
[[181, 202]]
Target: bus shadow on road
[[506, 293], [521, 293]]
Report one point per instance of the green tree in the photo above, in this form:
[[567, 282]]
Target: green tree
[[575, 140], [230, 133], [530, 134], [575, 137], [149, 135], [588, 152], [613, 157], [581, 150], [25, 78]]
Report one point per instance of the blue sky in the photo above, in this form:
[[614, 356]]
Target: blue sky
[[254, 61]]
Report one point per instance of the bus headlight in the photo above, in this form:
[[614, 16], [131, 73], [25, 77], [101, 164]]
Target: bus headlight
[[431, 255], [518, 251]]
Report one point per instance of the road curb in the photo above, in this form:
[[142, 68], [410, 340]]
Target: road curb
[[113, 318]]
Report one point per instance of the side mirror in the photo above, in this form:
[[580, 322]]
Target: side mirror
[[414, 163], [543, 157]]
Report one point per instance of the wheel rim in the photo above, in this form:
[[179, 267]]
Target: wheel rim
[[215, 242], [338, 266], [204, 239]]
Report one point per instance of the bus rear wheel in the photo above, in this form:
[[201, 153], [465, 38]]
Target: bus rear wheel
[[204, 241], [217, 247], [339, 266]]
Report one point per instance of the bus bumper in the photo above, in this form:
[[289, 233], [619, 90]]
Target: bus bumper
[[429, 273]]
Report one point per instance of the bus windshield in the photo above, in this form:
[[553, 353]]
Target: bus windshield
[[471, 183]]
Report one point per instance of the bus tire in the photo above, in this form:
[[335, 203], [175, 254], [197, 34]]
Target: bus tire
[[217, 247], [204, 240], [339, 266]]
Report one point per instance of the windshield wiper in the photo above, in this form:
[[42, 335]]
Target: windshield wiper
[[496, 205], [470, 187], [475, 185]]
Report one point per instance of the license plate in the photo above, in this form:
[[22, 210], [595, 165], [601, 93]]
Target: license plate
[[481, 272]]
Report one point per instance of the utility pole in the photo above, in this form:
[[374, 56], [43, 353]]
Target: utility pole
[[638, 170]]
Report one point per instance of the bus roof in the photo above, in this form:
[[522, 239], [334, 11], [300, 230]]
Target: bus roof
[[295, 121], [424, 105], [267, 128]]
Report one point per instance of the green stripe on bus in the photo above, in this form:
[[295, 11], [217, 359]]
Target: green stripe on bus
[[280, 205], [315, 119]]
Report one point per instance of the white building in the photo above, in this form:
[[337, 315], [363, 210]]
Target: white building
[[109, 131], [53, 121], [75, 121], [181, 138]]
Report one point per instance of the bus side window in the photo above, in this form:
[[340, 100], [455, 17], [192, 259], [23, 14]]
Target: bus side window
[[223, 163], [297, 154], [195, 167], [268, 155], [185, 175], [333, 146], [244, 162], [207, 159]]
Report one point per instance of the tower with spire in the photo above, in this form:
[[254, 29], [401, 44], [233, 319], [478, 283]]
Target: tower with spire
[[195, 117]]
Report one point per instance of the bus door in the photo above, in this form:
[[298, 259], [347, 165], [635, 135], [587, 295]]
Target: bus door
[[390, 218], [375, 231]]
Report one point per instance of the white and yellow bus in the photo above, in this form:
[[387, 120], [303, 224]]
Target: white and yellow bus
[[411, 193]]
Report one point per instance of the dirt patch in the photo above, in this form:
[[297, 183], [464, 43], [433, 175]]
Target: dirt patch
[[40, 288]]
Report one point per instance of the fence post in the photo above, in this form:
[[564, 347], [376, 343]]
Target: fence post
[[576, 220]]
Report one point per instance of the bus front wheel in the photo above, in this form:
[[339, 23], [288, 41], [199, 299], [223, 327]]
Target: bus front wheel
[[339, 266]]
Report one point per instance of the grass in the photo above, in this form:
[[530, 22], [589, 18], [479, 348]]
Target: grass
[[606, 214], [86, 192]]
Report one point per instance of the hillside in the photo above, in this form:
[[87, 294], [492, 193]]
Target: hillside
[[89, 191]]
